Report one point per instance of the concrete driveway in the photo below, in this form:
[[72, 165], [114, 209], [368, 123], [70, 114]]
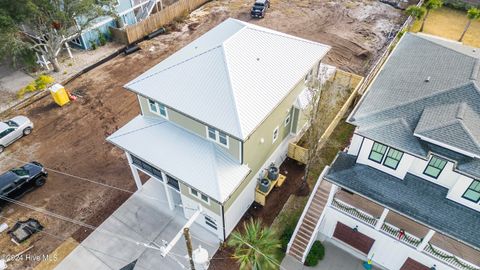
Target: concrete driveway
[[145, 220], [335, 259]]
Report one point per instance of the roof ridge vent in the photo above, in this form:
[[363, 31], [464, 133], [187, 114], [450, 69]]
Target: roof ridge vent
[[428, 79], [461, 111]]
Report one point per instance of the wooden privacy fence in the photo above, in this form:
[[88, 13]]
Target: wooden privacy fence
[[138, 31]]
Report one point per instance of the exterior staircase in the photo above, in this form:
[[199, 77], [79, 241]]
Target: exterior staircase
[[307, 227]]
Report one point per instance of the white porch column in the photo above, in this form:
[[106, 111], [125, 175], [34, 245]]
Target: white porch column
[[380, 221], [333, 190], [425, 240], [134, 170], [171, 205]]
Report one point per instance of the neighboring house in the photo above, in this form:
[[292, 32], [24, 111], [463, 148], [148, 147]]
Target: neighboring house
[[215, 114], [129, 12], [406, 194]]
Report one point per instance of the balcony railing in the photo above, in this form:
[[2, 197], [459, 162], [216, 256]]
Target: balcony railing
[[354, 212], [449, 258], [401, 235]]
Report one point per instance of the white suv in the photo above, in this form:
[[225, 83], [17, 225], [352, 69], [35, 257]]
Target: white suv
[[13, 130]]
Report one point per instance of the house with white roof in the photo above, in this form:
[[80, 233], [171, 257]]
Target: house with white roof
[[215, 114], [406, 192]]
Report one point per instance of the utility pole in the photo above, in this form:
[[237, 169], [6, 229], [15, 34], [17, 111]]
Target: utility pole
[[188, 241]]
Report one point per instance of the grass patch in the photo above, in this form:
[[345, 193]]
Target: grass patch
[[449, 23], [337, 141]]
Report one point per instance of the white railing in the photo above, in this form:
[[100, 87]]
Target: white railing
[[401, 235], [354, 212], [305, 210], [449, 258]]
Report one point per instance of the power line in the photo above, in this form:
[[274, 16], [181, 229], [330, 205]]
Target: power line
[[75, 242], [98, 183]]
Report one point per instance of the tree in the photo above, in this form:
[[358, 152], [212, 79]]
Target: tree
[[416, 12], [472, 14], [325, 99], [255, 247], [430, 5], [44, 26]]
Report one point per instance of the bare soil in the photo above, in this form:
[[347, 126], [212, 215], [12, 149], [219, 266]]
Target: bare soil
[[71, 139]]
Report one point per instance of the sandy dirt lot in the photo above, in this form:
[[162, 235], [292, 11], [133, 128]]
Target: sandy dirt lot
[[72, 139]]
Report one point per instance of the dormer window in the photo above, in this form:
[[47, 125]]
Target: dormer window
[[377, 153], [473, 192], [157, 108], [217, 136], [435, 167]]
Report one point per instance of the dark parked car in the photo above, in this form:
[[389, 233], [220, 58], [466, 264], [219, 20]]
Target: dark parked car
[[18, 181], [259, 8]]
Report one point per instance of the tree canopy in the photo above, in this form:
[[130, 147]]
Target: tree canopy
[[44, 26]]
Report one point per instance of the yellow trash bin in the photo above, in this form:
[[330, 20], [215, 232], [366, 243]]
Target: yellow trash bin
[[59, 94]]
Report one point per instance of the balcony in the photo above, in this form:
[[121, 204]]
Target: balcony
[[443, 248]]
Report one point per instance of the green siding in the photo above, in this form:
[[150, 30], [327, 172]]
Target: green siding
[[191, 125], [213, 206], [295, 113], [255, 152]]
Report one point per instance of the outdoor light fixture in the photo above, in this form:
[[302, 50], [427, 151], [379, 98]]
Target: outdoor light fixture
[[434, 267], [355, 229]]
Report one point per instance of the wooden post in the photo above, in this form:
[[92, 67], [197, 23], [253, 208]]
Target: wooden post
[[188, 241]]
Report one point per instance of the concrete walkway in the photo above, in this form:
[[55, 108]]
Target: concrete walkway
[[335, 259], [142, 219]]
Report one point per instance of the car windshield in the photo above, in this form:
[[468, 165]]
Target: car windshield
[[11, 123], [260, 5], [20, 171]]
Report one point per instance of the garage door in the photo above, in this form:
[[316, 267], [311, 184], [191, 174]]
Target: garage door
[[411, 264], [353, 238]]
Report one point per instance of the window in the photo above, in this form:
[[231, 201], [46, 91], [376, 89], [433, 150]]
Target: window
[[377, 153], [199, 195], [147, 167], [6, 132], [393, 158], [212, 134], [157, 108], [287, 120], [217, 136], [275, 135], [222, 138], [435, 167], [163, 110], [205, 198], [473, 192], [173, 182], [210, 222], [194, 192]]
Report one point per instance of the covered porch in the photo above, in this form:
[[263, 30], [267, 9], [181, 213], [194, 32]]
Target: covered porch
[[412, 223]]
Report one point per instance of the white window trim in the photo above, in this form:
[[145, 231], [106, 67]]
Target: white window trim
[[287, 119], [157, 106], [199, 195], [274, 138], [217, 137]]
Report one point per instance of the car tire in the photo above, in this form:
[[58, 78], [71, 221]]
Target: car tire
[[40, 181], [27, 131], [2, 148]]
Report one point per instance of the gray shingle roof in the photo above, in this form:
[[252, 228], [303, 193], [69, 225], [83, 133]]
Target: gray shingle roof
[[453, 124], [421, 200], [401, 101]]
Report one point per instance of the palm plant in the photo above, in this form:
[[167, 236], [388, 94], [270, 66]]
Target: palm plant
[[430, 5], [416, 12], [255, 247], [472, 14]]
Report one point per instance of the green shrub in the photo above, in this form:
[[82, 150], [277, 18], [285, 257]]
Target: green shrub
[[316, 253], [102, 39], [286, 236]]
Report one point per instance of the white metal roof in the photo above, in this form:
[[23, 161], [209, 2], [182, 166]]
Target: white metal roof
[[200, 163], [232, 77]]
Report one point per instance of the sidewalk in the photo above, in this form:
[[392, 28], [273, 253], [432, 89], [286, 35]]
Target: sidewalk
[[335, 259], [11, 81]]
